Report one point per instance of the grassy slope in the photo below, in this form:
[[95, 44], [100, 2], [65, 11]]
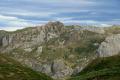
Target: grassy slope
[[12, 70], [101, 69]]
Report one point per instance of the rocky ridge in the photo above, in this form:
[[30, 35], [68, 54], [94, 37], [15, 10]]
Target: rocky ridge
[[57, 50]]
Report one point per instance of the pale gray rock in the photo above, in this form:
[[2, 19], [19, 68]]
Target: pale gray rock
[[31, 37], [28, 49], [39, 49], [46, 68], [77, 70], [110, 47], [60, 70], [5, 41]]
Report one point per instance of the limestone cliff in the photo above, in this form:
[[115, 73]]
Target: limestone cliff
[[110, 47], [56, 49]]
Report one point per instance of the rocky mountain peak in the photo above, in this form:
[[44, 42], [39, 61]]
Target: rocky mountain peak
[[54, 23], [54, 26]]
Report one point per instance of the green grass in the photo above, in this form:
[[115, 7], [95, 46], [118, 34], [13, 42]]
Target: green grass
[[101, 69], [12, 70]]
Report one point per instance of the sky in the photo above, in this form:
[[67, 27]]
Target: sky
[[17, 14]]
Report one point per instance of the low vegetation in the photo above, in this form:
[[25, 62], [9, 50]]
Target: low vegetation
[[101, 69], [12, 70]]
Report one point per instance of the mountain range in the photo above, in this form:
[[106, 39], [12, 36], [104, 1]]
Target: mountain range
[[62, 52]]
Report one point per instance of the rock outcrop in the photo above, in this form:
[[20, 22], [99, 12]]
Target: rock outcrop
[[31, 37], [110, 47], [60, 70]]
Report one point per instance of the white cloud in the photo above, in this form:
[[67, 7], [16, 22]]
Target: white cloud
[[35, 14], [61, 1], [88, 22], [93, 13], [105, 25], [63, 19], [7, 18], [11, 28], [82, 21], [116, 19], [14, 21]]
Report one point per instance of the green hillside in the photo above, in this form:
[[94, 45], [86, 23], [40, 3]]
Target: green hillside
[[12, 70], [101, 69]]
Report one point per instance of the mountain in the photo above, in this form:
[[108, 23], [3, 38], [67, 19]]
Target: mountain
[[107, 68], [57, 50], [12, 70]]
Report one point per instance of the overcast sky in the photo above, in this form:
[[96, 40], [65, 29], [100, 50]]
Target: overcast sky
[[16, 14]]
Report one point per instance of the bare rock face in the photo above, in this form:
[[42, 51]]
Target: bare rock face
[[31, 37], [39, 50], [28, 49], [53, 29], [60, 70], [57, 69], [54, 26], [46, 68], [5, 41], [110, 47]]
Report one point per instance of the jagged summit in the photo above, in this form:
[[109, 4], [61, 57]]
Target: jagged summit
[[54, 23], [54, 26]]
